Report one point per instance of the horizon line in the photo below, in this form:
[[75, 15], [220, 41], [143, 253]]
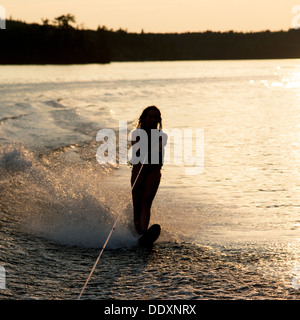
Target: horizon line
[[124, 29]]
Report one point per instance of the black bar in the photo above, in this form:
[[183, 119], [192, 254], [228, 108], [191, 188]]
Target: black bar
[[148, 309]]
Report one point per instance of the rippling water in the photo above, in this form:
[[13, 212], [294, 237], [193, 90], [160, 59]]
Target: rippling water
[[230, 232]]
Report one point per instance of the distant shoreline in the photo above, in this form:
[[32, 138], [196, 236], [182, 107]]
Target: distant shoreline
[[128, 61], [35, 44]]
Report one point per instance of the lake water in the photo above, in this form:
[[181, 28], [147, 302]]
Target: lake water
[[231, 231]]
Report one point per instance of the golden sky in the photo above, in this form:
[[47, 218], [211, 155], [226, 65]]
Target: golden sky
[[162, 15]]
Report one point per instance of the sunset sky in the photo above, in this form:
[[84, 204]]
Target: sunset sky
[[162, 15]]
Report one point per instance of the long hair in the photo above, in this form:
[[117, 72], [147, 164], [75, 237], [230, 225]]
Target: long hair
[[141, 120]]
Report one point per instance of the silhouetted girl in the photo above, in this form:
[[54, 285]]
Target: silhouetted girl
[[146, 174]]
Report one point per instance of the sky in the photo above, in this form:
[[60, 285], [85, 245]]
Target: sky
[[162, 15]]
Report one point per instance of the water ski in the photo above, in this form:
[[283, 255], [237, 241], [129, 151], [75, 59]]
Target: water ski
[[150, 236]]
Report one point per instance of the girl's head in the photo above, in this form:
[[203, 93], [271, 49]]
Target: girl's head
[[150, 119]]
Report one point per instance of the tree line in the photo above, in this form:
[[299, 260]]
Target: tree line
[[23, 43], [61, 43]]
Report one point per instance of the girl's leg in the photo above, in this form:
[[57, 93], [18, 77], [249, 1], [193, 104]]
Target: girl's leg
[[151, 186], [137, 196]]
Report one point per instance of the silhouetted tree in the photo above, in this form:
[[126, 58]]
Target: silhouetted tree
[[65, 20], [45, 22]]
